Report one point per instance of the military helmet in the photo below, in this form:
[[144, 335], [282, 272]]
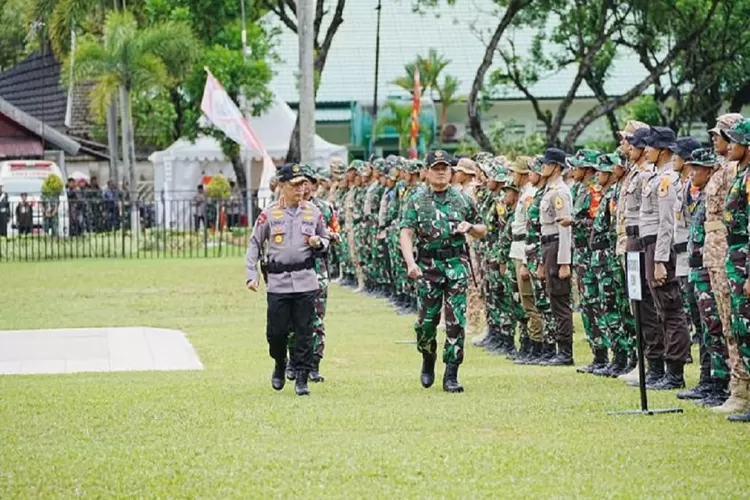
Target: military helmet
[[584, 158], [739, 133], [606, 162], [536, 164], [703, 157]]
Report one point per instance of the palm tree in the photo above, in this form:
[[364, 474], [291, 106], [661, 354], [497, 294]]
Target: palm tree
[[398, 117], [447, 92], [128, 59]]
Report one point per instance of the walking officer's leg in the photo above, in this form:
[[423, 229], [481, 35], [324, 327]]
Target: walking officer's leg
[[430, 303], [455, 330], [303, 315], [277, 333]]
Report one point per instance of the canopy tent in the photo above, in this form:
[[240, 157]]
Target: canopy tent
[[180, 168]]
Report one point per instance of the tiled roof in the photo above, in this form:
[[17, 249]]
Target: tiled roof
[[349, 71], [33, 86]]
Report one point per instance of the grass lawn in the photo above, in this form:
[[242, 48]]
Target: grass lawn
[[369, 431]]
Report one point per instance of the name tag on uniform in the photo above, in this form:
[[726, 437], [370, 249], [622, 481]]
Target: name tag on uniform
[[308, 230], [277, 229]]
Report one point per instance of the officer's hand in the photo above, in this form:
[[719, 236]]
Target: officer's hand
[[525, 273], [314, 241], [463, 227], [252, 285], [502, 268], [746, 288], [335, 237], [564, 272], [540, 272], [564, 221], [660, 274], [414, 271]]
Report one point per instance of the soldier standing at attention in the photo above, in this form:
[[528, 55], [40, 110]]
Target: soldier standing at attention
[[295, 231], [736, 221], [714, 254], [656, 230], [556, 208], [682, 150], [630, 197], [586, 193], [439, 219], [712, 389]]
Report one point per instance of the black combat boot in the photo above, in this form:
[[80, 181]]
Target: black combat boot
[[700, 391], [620, 364], [654, 373], [608, 371], [534, 356], [486, 339], [300, 384], [564, 356], [601, 357], [495, 343], [717, 394], [450, 379], [549, 351], [522, 352], [673, 379], [277, 377], [510, 345], [427, 377], [743, 417], [315, 375], [291, 372]]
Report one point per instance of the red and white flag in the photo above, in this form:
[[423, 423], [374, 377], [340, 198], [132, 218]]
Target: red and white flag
[[415, 107], [224, 114]]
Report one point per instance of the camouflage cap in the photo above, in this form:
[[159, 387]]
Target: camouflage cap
[[739, 133], [337, 166], [584, 158], [355, 165], [725, 122], [309, 172], [483, 161], [703, 157], [607, 162], [379, 164], [521, 165], [496, 172], [536, 164], [467, 166], [631, 127], [415, 166], [512, 186]]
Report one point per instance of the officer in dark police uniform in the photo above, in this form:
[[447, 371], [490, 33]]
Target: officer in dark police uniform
[[296, 233]]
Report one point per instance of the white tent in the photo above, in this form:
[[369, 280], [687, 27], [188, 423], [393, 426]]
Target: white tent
[[179, 168]]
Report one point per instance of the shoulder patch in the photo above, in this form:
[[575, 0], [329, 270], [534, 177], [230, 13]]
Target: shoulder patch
[[664, 185], [500, 208], [559, 203], [262, 218]]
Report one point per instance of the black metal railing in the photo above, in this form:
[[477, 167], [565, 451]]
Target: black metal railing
[[97, 228]]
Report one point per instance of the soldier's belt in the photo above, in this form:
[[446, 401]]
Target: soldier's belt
[[600, 245], [632, 231], [550, 238], [441, 253], [714, 225], [279, 268], [736, 239], [519, 237], [695, 261], [681, 247], [648, 240]]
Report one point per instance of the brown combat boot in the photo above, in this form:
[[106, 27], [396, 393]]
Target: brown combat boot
[[739, 399]]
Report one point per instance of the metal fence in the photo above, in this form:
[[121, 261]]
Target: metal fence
[[42, 230]]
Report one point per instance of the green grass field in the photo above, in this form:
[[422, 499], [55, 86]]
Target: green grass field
[[370, 431]]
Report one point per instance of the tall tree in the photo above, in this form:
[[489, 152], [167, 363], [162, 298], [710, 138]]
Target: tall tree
[[13, 34], [126, 59], [286, 11]]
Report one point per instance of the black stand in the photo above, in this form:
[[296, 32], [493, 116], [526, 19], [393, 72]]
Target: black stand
[[635, 298]]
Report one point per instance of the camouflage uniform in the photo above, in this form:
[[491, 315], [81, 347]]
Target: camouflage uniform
[[442, 258], [373, 256], [392, 214], [736, 218]]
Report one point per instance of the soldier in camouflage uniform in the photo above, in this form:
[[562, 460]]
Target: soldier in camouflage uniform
[[348, 271], [533, 264], [392, 217], [586, 194], [714, 376], [373, 194], [413, 184], [357, 173], [438, 220], [736, 219]]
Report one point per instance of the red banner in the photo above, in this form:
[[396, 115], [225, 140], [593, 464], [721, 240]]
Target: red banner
[[413, 153]]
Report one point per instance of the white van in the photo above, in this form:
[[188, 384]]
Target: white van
[[27, 176]]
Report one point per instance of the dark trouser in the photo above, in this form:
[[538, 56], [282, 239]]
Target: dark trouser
[[198, 219], [298, 311], [4, 224], [668, 300], [558, 291], [652, 328]]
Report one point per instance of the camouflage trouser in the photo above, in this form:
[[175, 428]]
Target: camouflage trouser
[[432, 290], [711, 331], [690, 305], [345, 254], [475, 311], [517, 312], [493, 295], [398, 266], [589, 299], [737, 274], [541, 300], [381, 262], [720, 287], [625, 338]]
